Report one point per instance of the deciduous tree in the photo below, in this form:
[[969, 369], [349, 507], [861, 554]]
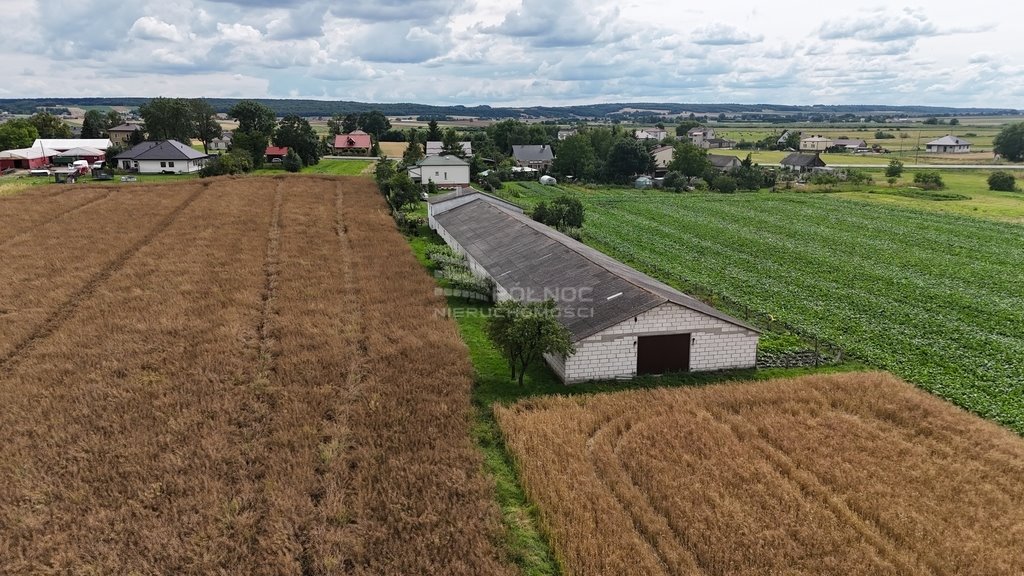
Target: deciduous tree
[[524, 332], [689, 159], [50, 126], [17, 133], [255, 127], [298, 135], [168, 119], [1009, 143]]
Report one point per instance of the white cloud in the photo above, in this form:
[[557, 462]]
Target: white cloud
[[150, 28]]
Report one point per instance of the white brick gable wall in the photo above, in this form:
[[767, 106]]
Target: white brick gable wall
[[612, 353]]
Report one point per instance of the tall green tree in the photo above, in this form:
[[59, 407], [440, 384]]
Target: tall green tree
[[168, 119], [626, 159], [508, 133], [350, 123], [113, 118], [204, 122], [433, 132], [374, 122], [1009, 143], [297, 134], [255, 127], [336, 125], [894, 169], [50, 126], [94, 125], [524, 332], [689, 159], [413, 153], [451, 145], [17, 133], [576, 157]]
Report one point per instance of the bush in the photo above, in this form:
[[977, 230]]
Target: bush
[[858, 177], [1002, 181], [563, 212], [929, 180], [894, 169], [234, 162], [880, 135], [292, 162], [824, 179], [724, 184], [493, 182], [675, 181]]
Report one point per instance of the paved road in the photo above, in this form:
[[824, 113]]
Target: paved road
[[938, 166]]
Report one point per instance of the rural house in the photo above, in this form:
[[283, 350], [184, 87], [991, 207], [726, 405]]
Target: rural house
[[357, 143], [723, 163], [122, 134], [565, 133], [802, 162], [662, 158], [815, 144], [949, 144], [698, 134], [276, 153], [536, 156], [222, 143], [623, 323], [656, 134], [849, 145], [710, 143], [434, 148], [161, 157], [443, 171]]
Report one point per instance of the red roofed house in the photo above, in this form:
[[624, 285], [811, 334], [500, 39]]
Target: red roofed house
[[276, 153], [356, 143]]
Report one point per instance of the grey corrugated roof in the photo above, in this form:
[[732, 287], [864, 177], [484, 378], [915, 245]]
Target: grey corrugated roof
[[533, 153], [803, 160], [949, 140], [442, 161], [125, 128], [720, 161], [528, 258], [161, 150]]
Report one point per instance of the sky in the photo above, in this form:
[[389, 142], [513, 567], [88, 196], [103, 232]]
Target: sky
[[519, 53]]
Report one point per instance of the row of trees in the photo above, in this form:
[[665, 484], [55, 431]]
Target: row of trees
[[22, 132]]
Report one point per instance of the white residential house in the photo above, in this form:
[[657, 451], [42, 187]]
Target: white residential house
[[443, 171], [948, 144], [815, 144], [656, 134], [162, 157], [221, 144]]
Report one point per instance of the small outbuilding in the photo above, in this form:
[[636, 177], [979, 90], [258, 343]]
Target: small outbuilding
[[623, 323], [723, 163], [276, 154]]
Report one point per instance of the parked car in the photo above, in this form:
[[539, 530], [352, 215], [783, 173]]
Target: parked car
[[97, 165]]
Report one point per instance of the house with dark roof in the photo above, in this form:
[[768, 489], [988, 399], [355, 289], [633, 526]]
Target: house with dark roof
[[162, 157], [443, 171], [723, 163], [536, 156], [802, 162], [948, 144], [122, 134], [623, 323], [434, 148], [357, 143]]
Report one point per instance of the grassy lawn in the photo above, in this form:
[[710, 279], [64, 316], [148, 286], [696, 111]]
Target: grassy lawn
[[326, 166]]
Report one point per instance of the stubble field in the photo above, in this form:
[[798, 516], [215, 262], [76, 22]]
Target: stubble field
[[224, 377], [840, 474]]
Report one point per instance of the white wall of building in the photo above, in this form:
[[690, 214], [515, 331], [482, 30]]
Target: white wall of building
[[175, 166], [612, 353], [444, 175]]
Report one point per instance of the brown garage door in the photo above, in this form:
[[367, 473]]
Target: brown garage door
[[661, 354]]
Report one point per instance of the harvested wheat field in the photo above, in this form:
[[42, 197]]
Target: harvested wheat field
[[237, 376], [840, 474]]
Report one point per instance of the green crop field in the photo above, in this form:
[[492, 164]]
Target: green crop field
[[935, 298]]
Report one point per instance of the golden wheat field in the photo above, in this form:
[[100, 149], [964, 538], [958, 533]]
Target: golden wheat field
[[840, 474], [236, 376]]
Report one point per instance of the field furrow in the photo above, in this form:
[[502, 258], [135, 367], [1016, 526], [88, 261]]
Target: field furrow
[[843, 474], [45, 275]]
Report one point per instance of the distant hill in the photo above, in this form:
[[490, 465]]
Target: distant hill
[[617, 110]]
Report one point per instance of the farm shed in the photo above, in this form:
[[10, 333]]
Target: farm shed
[[26, 158], [623, 323]]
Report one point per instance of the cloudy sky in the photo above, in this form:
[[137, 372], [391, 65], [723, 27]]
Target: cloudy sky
[[506, 52]]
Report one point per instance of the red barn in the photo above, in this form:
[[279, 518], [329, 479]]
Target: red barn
[[276, 153]]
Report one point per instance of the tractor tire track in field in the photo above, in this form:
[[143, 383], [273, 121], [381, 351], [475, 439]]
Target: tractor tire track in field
[[649, 523], [813, 488], [54, 218], [67, 308]]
